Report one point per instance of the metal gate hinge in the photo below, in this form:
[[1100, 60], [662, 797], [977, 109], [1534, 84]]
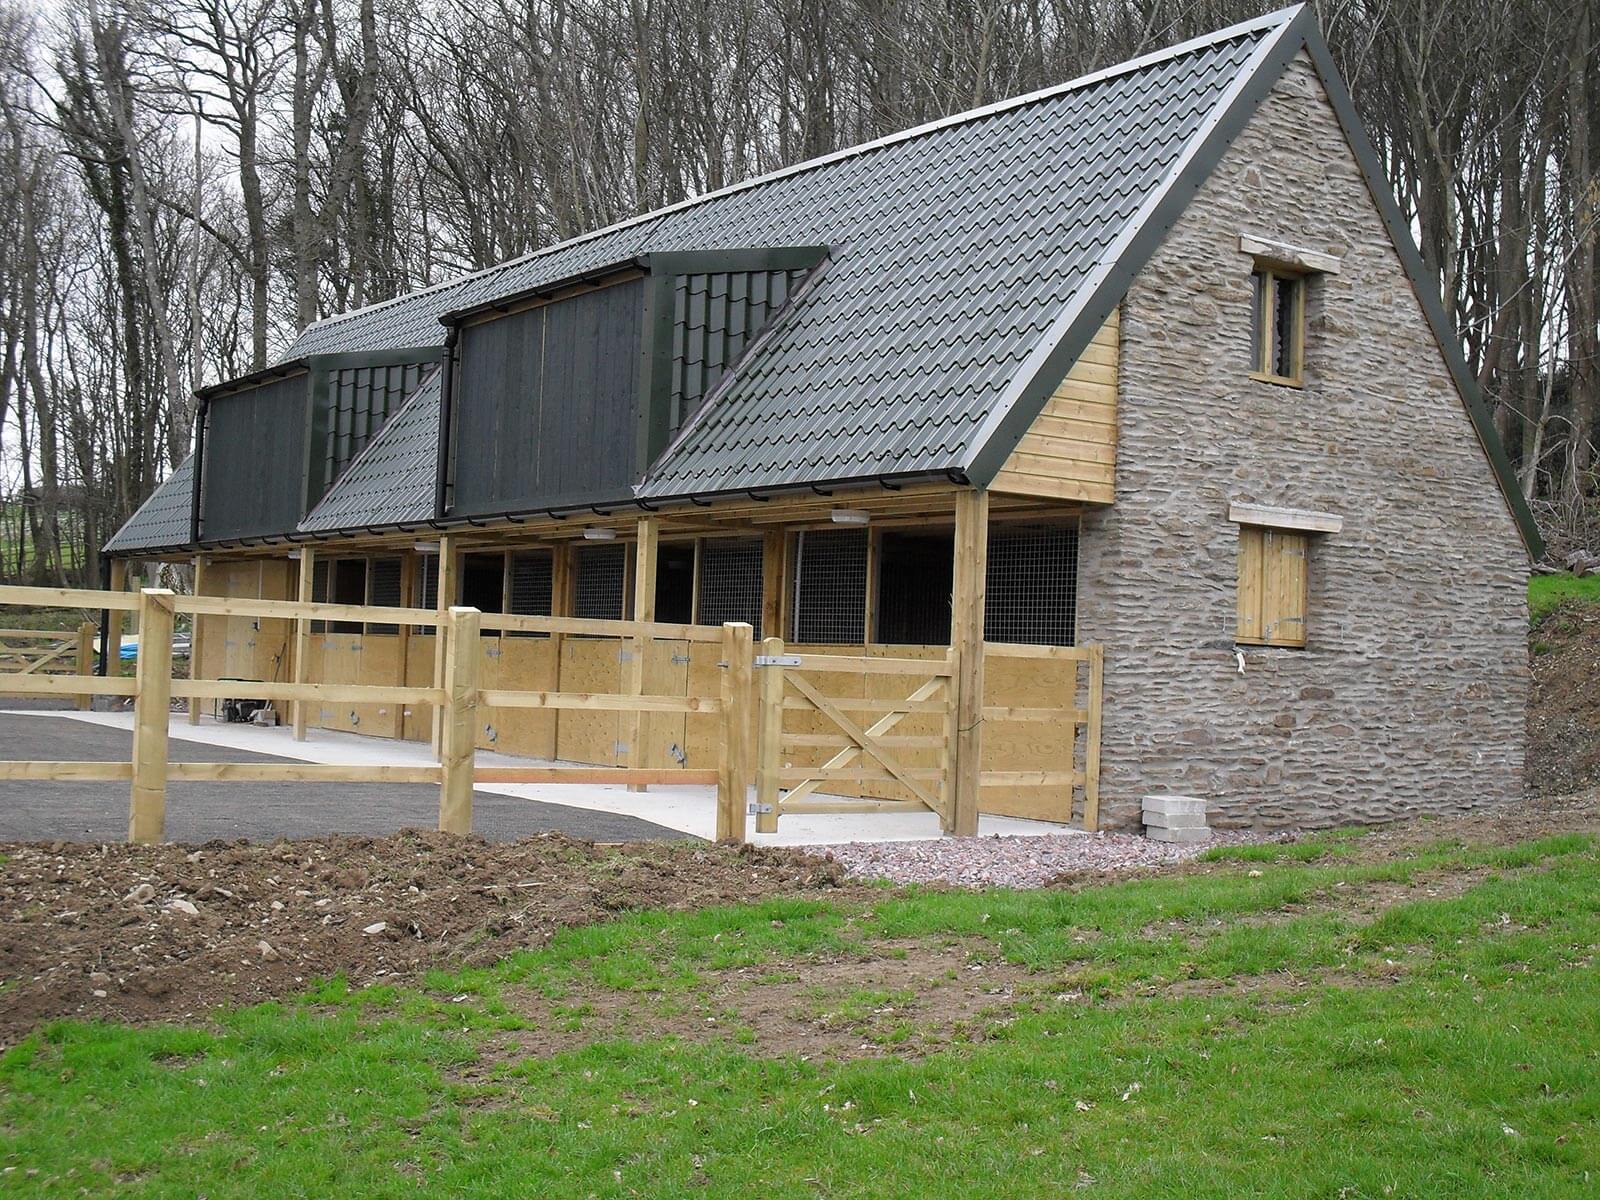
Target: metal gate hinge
[[624, 656], [755, 810], [680, 660], [619, 747], [777, 660]]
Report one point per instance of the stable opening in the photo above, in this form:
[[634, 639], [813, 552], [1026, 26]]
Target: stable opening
[[599, 584], [830, 587], [730, 582], [347, 584], [675, 583], [384, 579], [531, 586], [915, 572], [483, 584], [1032, 584]]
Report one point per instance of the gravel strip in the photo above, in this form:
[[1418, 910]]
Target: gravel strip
[[1016, 861]]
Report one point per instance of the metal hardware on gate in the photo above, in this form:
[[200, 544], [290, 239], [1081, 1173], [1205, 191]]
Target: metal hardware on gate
[[755, 810], [680, 660], [624, 656], [619, 747], [777, 660], [491, 652]]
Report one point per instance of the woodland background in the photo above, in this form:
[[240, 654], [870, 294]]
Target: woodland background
[[186, 183]]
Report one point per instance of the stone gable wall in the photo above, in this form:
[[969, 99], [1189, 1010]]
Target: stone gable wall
[[1410, 694]]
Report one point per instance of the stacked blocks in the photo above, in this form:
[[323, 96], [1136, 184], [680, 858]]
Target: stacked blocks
[[1176, 819]]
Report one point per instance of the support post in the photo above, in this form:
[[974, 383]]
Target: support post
[[458, 729], [774, 545], [196, 621], [302, 639], [85, 661], [637, 726], [1091, 739], [733, 764], [112, 649], [446, 601], [966, 639], [152, 709], [770, 737]]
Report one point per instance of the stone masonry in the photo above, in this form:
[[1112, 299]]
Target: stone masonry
[[1410, 694]]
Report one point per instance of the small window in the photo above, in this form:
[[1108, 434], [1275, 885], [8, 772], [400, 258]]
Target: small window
[[1277, 332], [1031, 584], [1272, 587]]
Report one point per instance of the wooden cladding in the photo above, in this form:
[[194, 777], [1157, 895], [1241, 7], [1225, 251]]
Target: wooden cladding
[[1070, 451], [1272, 587]]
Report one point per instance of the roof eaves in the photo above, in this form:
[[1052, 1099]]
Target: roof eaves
[[1089, 309]]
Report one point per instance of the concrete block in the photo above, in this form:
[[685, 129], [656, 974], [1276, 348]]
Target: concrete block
[[1158, 834], [1175, 804], [1175, 820]]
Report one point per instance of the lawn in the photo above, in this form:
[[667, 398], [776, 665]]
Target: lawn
[[1546, 593], [1315, 1020]]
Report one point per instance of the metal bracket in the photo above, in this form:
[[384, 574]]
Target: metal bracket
[[755, 810], [680, 660], [619, 747], [624, 656], [777, 660]]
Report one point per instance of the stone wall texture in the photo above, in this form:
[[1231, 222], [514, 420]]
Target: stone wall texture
[[1410, 694]]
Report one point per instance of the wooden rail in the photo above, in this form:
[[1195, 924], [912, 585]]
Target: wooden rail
[[455, 694]]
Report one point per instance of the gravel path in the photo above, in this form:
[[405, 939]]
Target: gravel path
[[1015, 861]]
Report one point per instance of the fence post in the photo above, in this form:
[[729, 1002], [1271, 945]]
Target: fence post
[[966, 637], [769, 743], [111, 648], [1091, 739], [85, 661], [733, 766], [458, 726], [152, 709], [195, 621], [302, 639]]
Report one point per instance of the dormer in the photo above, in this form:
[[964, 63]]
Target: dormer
[[272, 443], [566, 393]]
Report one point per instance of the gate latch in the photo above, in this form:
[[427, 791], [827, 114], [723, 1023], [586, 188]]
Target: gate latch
[[777, 660]]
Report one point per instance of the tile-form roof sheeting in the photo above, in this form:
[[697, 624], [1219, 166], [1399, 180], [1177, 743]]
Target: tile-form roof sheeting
[[955, 251], [162, 521], [391, 481]]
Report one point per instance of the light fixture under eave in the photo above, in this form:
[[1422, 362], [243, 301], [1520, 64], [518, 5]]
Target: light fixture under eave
[[598, 533], [849, 516], [425, 547]]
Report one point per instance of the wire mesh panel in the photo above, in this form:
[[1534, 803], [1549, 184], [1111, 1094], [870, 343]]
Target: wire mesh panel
[[532, 584], [600, 573], [830, 587], [383, 589], [1032, 584], [730, 582]]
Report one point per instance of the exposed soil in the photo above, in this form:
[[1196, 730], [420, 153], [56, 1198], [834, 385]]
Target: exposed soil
[[1564, 703], [137, 933], [904, 999]]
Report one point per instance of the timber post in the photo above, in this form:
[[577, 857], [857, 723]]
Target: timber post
[[302, 638], [770, 740], [458, 728], [966, 639], [85, 664], [644, 610], [195, 621], [1091, 738], [111, 651], [444, 601], [733, 766], [152, 710]]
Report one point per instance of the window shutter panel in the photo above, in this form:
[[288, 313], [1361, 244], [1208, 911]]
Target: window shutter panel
[[1251, 554], [1283, 611]]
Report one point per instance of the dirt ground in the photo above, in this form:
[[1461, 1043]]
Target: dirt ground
[[1564, 703], [136, 933]]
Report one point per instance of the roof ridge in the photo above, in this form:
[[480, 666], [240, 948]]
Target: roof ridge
[[1279, 17]]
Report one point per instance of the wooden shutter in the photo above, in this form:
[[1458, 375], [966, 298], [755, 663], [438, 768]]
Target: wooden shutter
[[1272, 587]]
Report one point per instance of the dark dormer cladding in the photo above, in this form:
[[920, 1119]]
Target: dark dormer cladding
[[271, 444], [566, 394]]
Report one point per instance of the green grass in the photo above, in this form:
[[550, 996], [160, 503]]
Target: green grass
[[1546, 593], [1443, 1044]]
